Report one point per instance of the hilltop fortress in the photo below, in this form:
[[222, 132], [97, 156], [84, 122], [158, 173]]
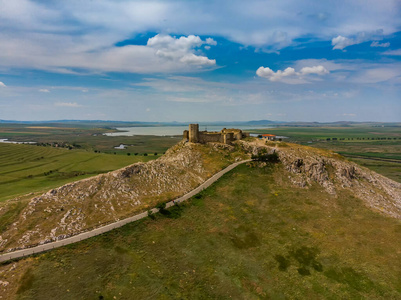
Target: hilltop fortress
[[225, 136]]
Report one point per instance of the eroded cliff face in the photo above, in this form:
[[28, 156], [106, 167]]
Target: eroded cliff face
[[306, 165], [89, 203]]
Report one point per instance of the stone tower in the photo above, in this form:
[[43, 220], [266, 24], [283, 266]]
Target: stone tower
[[228, 137], [193, 135]]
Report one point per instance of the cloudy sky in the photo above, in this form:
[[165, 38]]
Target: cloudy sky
[[286, 60]]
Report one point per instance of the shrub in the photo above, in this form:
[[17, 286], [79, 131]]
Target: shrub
[[272, 158], [161, 206], [151, 215]]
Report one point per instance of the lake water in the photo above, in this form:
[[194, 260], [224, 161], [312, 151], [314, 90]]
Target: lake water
[[11, 142], [171, 130]]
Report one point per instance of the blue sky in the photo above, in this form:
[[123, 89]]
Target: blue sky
[[286, 60]]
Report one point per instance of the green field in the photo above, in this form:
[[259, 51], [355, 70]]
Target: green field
[[29, 168], [86, 136], [378, 148], [349, 133], [246, 237]]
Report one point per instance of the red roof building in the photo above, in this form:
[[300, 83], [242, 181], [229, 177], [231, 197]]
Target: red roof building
[[270, 137]]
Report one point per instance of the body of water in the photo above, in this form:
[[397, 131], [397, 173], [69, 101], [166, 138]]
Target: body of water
[[171, 130], [11, 142]]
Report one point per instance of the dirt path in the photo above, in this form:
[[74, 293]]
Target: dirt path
[[109, 227]]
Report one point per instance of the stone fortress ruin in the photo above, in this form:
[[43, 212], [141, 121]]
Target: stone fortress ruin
[[225, 136]]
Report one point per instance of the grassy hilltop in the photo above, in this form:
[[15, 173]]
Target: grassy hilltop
[[248, 236], [275, 231]]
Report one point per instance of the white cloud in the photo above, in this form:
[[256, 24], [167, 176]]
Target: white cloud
[[357, 70], [274, 76], [290, 72], [2, 84], [193, 59], [396, 52], [189, 99], [44, 91], [71, 32], [68, 104], [181, 49], [349, 115], [162, 54], [319, 70], [330, 65], [376, 74], [377, 44], [211, 42], [341, 42]]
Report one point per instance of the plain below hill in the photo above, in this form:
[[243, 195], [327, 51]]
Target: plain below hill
[[30, 169]]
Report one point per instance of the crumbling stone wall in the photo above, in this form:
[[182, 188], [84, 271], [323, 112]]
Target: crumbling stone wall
[[205, 137], [225, 136]]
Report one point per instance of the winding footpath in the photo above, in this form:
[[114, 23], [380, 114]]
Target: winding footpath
[[109, 227]]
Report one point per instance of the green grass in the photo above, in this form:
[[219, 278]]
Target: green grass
[[248, 236], [389, 169], [349, 133], [29, 168], [11, 213], [388, 156]]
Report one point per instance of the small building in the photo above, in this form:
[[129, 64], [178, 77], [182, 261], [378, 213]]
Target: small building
[[270, 137], [121, 147]]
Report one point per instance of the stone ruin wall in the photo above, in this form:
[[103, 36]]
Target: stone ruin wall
[[225, 136], [210, 137]]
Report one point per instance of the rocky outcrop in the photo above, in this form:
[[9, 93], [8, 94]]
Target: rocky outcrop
[[308, 165]]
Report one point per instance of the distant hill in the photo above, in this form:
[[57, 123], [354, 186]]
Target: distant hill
[[113, 123]]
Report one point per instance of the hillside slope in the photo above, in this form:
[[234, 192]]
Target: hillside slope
[[333, 172], [263, 231], [84, 204]]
